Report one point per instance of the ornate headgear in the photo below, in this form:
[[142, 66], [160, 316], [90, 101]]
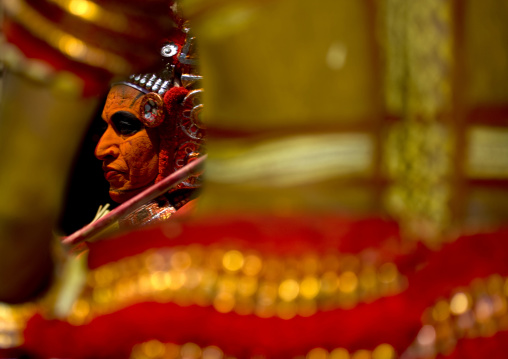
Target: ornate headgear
[[172, 103]]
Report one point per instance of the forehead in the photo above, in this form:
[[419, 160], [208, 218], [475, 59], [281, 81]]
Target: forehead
[[122, 98]]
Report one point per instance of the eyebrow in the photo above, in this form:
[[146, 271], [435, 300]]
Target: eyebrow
[[136, 98]]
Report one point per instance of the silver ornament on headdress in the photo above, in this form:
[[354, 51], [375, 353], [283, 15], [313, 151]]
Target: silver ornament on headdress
[[160, 82]]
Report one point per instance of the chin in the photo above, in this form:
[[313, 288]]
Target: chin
[[121, 197], [118, 197]]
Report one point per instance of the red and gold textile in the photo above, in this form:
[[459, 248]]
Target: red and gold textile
[[282, 287], [356, 197]]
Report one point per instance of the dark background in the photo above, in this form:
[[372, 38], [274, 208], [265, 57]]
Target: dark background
[[87, 188]]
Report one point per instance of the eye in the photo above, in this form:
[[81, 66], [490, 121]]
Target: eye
[[126, 123]]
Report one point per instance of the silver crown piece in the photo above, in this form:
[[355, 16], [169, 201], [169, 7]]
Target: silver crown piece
[[160, 82]]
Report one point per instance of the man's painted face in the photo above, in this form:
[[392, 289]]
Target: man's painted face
[[129, 153]]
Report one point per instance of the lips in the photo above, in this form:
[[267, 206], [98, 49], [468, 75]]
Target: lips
[[111, 174]]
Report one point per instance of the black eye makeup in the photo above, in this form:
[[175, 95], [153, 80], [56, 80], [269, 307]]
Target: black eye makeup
[[126, 123]]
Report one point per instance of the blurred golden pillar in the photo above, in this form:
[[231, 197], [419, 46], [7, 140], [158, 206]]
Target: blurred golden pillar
[[293, 105], [364, 108], [418, 44]]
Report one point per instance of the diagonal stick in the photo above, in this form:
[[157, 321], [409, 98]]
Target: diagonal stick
[[147, 195]]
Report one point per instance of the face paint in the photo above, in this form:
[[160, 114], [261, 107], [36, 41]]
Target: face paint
[[129, 153]]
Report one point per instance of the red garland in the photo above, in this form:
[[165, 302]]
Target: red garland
[[395, 320], [474, 348], [95, 80], [138, 44], [170, 132], [113, 335], [267, 234]]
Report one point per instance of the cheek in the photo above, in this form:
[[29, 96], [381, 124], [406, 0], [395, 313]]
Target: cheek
[[141, 158]]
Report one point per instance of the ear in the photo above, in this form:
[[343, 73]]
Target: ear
[[151, 110]]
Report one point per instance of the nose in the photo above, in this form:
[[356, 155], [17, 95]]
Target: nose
[[108, 145]]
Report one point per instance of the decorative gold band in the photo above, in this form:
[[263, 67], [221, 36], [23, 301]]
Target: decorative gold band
[[231, 280], [13, 319], [67, 44], [154, 349], [480, 310], [94, 13], [58, 82]]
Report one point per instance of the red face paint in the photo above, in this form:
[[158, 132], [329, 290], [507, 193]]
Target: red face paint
[[129, 153]]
